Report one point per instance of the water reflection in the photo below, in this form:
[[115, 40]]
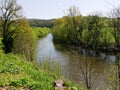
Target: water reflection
[[107, 57], [70, 61], [46, 49]]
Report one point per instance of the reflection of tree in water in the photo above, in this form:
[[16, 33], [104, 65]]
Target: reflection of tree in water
[[89, 69], [113, 74]]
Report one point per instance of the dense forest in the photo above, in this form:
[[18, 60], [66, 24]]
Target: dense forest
[[41, 23], [91, 32]]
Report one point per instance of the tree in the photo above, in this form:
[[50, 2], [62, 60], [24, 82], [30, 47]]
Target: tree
[[9, 13], [25, 40], [115, 23], [66, 29], [116, 34], [106, 35], [112, 77], [87, 69], [94, 31], [74, 20], [60, 30]]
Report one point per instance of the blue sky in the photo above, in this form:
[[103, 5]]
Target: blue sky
[[48, 9]]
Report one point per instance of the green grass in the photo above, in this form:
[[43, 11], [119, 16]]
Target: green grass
[[16, 72]]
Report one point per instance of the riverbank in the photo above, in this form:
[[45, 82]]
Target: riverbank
[[17, 73], [83, 49]]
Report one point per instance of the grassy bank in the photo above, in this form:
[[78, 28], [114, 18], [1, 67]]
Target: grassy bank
[[16, 73]]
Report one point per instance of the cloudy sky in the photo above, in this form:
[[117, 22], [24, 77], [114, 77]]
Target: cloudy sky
[[48, 9]]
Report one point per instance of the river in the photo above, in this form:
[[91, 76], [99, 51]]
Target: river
[[70, 61]]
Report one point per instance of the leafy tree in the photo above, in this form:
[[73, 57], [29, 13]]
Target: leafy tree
[[60, 30], [25, 40], [67, 28], [106, 37], [94, 27], [115, 23], [9, 13], [74, 20], [115, 26]]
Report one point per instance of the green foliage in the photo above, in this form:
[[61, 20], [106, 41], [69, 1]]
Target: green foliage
[[85, 36], [41, 23], [91, 32], [106, 36], [10, 12], [112, 77], [14, 71], [65, 31], [25, 41], [41, 32]]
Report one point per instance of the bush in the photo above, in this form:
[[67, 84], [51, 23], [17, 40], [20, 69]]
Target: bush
[[25, 41]]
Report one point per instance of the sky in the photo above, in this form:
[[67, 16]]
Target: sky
[[50, 9]]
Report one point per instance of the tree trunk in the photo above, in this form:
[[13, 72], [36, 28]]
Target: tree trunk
[[8, 44]]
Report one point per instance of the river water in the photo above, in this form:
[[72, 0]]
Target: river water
[[71, 62]]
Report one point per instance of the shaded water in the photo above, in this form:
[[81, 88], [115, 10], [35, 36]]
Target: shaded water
[[71, 61]]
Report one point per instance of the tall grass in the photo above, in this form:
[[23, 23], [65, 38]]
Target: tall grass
[[51, 66]]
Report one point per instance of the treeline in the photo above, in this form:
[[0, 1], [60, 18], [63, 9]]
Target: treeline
[[41, 23], [91, 32]]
